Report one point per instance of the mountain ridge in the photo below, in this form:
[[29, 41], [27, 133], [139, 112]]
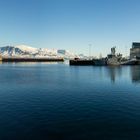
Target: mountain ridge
[[28, 51]]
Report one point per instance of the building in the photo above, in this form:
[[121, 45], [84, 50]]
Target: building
[[135, 50]]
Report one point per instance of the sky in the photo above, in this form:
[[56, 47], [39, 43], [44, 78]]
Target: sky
[[76, 25]]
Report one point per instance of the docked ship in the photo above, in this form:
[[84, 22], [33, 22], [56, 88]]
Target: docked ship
[[100, 62], [133, 61], [77, 61], [113, 58]]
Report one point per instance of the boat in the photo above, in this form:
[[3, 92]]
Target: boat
[[78, 61], [100, 62], [113, 59], [133, 61]]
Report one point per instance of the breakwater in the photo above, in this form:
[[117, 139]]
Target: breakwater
[[17, 59]]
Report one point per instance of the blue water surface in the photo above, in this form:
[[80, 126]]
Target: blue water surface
[[44, 101]]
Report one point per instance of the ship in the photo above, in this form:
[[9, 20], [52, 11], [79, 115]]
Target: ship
[[113, 58], [100, 62], [81, 62], [132, 61]]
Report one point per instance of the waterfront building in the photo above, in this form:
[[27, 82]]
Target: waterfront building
[[135, 50]]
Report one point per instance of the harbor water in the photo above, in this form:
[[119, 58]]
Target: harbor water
[[55, 101]]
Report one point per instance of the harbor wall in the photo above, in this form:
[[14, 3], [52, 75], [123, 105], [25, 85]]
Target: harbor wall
[[14, 59]]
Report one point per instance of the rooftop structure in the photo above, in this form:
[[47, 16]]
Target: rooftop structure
[[135, 45]]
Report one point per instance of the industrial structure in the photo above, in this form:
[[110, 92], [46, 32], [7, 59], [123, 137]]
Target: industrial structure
[[135, 50]]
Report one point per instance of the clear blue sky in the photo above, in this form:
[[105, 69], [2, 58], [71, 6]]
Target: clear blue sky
[[71, 24]]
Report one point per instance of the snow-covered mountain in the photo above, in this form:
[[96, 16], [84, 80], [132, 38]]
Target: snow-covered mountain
[[27, 51]]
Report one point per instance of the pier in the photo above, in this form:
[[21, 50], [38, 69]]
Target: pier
[[24, 59], [112, 59], [100, 62]]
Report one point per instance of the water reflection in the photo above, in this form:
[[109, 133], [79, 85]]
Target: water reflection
[[130, 72], [135, 74], [114, 72], [30, 63], [32, 72]]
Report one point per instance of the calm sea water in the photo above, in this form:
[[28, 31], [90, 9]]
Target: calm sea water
[[62, 102]]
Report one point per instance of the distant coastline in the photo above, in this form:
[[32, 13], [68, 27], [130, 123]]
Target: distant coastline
[[23, 59]]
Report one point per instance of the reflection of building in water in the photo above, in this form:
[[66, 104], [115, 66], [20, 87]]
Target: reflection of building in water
[[113, 58], [135, 50], [114, 72], [135, 74]]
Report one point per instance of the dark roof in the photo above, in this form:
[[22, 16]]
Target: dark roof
[[136, 45]]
